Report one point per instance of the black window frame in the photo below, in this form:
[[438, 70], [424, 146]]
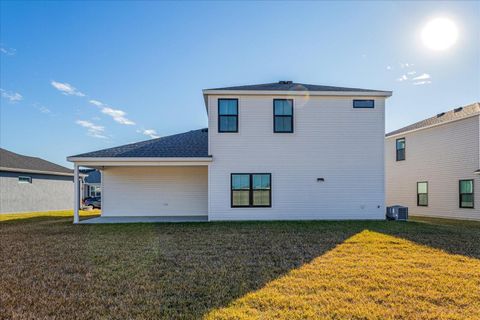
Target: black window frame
[[25, 179], [404, 149], [364, 100], [460, 194], [226, 115], [418, 195], [251, 189], [283, 116]]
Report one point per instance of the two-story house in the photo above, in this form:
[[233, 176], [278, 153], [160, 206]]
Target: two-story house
[[277, 151], [432, 166]]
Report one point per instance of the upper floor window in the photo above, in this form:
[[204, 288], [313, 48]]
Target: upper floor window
[[24, 179], [400, 145], [422, 194], [251, 190], [227, 115], [466, 194], [283, 115], [363, 103]]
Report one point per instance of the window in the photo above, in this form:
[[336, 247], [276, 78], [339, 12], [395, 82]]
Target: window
[[422, 194], [400, 144], [24, 179], [95, 191], [251, 190], [363, 103], [466, 194], [227, 115], [283, 115]]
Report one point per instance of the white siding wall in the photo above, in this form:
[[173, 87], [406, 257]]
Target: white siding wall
[[441, 155], [331, 140], [154, 191]]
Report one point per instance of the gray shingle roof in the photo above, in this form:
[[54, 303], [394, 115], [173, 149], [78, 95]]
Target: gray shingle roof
[[13, 161], [455, 114], [292, 86], [183, 145]]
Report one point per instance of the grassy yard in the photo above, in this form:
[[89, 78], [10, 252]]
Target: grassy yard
[[424, 269]]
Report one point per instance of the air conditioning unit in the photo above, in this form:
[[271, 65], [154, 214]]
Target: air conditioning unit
[[397, 213]]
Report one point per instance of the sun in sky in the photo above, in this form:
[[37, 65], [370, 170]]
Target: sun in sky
[[439, 34]]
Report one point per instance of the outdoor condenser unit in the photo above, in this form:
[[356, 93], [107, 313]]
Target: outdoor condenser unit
[[397, 213]]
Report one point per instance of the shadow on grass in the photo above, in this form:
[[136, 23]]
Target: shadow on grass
[[173, 270], [452, 236]]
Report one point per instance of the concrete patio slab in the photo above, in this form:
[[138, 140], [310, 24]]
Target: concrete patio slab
[[159, 219]]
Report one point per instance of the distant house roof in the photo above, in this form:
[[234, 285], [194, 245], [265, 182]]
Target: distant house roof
[[455, 114], [11, 161], [91, 175], [293, 86], [191, 144]]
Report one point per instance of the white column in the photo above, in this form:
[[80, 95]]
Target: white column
[[76, 197]]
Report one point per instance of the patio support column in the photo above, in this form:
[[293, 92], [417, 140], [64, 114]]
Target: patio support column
[[76, 197]]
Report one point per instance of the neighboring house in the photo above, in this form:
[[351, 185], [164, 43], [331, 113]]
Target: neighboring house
[[92, 183], [432, 166], [273, 151], [32, 184]]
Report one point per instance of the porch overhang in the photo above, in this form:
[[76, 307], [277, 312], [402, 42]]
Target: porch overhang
[[97, 162]]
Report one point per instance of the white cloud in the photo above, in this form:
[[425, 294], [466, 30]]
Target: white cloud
[[423, 76], [96, 103], [67, 89], [389, 67], [117, 115], [8, 51], [41, 108], [150, 132], [411, 73], [419, 83], [402, 78], [93, 130], [11, 96]]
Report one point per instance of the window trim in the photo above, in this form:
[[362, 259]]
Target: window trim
[[372, 107], [418, 194], [404, 149], [460, 194], [250, 190], [28, 178], [284, 116], [218, 115], [25, 177]]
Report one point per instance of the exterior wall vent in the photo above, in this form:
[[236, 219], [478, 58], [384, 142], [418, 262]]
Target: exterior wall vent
[[458, 109]]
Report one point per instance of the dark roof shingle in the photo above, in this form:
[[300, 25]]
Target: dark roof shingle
[[292, 86], [183, 145], [455, 114], [11, 160]]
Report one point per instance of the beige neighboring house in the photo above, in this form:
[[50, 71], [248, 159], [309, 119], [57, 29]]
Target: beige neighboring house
[[432, 166]]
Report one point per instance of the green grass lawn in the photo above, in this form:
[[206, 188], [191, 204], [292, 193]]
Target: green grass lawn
[[423, 269]]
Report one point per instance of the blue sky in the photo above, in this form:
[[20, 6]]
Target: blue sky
[[78, 77]]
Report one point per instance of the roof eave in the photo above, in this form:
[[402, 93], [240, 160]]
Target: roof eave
[[20, 170], [207, 92], [390, 135], [77, 159]]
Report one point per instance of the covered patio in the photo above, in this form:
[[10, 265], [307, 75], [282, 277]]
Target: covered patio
[[159, 180]]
